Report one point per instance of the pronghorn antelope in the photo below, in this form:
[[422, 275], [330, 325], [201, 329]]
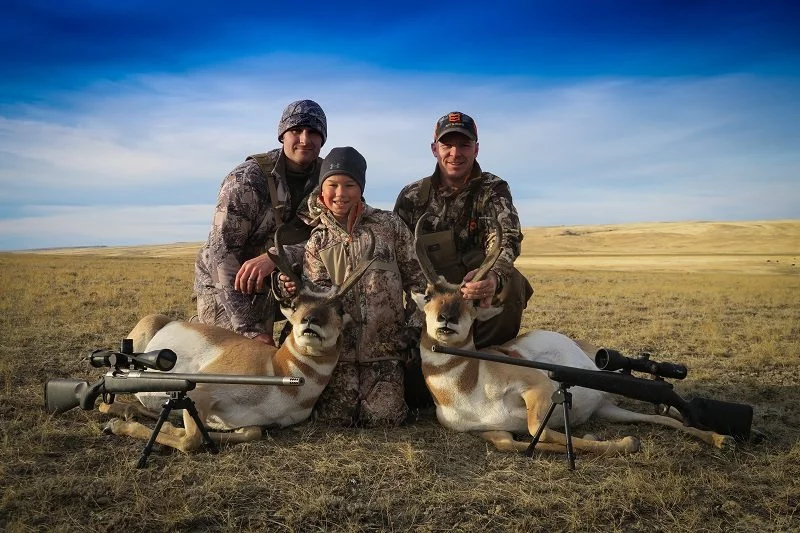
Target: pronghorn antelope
[[311, 351], [498, 400]]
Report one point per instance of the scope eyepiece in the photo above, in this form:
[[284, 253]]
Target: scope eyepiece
[[608, 359]]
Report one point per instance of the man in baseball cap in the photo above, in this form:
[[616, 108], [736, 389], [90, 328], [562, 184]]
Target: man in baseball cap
[[462, 198], [260, 194]]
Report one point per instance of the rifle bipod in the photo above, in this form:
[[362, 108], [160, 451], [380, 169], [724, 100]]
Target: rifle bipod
[[177, 400], [564, 397]]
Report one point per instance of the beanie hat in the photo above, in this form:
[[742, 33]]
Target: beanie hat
[[306, 113], [345, 160], [456, 122]]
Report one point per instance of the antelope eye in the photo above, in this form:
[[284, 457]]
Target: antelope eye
[[427, 297], [340, 310]]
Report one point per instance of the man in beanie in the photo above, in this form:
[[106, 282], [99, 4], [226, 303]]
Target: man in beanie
[[367, 386], [256, 197], [459, 198]]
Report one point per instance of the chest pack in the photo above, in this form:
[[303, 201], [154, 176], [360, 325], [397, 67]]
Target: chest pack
[[448, 258]]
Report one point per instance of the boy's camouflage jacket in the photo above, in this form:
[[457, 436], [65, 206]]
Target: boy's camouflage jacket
[[376, 304]]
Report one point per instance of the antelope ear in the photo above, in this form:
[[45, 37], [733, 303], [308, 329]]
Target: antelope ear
[[286, 311], [485, 313], [419, 299]]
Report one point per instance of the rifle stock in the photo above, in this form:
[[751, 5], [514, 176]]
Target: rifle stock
[[726, 418]]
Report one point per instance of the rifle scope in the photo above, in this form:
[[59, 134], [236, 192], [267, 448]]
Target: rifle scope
[[157, 359], [608, 359]]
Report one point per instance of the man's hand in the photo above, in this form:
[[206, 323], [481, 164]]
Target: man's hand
[[289, 286], [251, 276], [480, 290]]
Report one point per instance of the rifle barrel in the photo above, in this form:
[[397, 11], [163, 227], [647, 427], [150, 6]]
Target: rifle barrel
[[502, 359], [232, 379]]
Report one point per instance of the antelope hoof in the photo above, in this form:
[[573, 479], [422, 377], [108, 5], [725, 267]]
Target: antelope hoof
[[631, 444], [111, 426], [724, 442], [591, 436]]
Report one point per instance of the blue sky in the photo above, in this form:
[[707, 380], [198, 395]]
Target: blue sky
[[118, 120]]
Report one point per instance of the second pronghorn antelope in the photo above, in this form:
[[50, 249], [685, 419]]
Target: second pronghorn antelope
[[498, 400], [311, 351]]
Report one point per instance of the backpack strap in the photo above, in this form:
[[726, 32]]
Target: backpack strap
[[425, 193], [265, 164]]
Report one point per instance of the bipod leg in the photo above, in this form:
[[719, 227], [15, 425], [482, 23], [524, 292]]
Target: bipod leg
[[540, 429], [211, 446], [564, 397], [567, 405], [160, 422]]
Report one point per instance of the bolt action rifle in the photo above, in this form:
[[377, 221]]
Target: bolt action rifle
[[144, 372], [614, 376]]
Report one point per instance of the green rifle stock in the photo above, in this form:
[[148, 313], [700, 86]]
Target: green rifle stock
[[63, 394]]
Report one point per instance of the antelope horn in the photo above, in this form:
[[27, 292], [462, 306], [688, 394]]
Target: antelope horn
[[280, 260], [359, 271], [422, 254], [494, 252]]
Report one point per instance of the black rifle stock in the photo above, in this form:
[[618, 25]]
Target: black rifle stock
[[722, 417]]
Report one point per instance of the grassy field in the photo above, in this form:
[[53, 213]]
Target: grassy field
[[721, 298]]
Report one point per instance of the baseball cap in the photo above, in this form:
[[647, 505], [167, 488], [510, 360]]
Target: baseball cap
[[456, 122]]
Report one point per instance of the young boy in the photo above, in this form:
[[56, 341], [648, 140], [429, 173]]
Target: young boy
[[367, 385]]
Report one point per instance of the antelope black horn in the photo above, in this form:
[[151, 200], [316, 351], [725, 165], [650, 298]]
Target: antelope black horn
[[494, 252], [281, 260]]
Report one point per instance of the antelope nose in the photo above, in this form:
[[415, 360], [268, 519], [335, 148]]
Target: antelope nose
[[447, 318], [310, 319]]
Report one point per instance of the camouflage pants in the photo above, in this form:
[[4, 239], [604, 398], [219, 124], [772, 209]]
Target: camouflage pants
[[211, 311], [364, 394]]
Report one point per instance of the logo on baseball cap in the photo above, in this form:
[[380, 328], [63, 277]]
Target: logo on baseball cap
[[456, 122]]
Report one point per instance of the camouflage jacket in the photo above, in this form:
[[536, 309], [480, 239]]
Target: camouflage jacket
[[376, 303], [485, 195], [244, 227]]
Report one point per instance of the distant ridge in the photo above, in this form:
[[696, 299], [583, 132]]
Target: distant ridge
[[696, 237], [777, 237]]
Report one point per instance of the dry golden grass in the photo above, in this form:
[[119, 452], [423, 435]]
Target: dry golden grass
[[768, 247], [736, 328]]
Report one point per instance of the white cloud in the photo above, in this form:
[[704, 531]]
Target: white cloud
[[614, 145], [56, 226]]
